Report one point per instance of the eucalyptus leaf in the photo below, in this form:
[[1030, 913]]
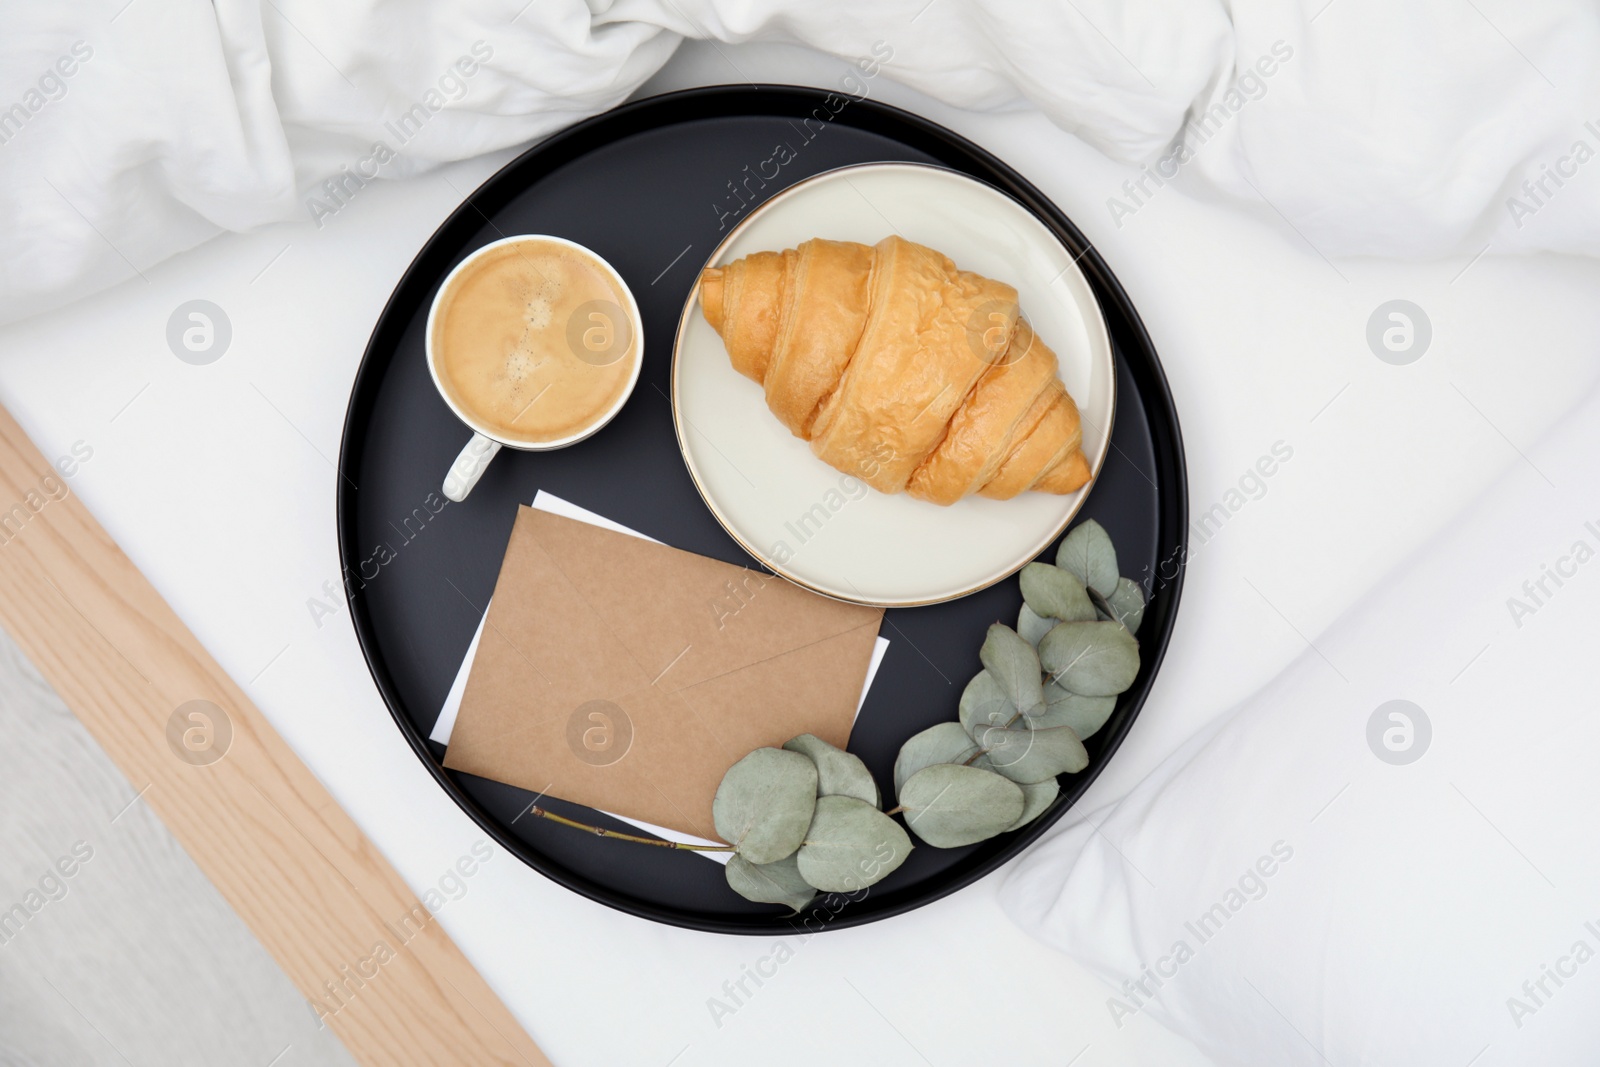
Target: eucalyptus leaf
[[949, 806], [1085, 715], [850, 845], [770, 883], [1092, 659], [1015, 666], [1087, 552], [765, 803], [945, 743], [1031, 755], [1036, 796], [838, 772], [983, 704], [1127, 604], [1055, 593], [1030, 627]]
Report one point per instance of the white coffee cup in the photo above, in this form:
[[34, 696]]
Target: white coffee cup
[[485, 443]]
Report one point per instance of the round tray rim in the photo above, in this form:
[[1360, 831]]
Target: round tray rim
[[719, 101]]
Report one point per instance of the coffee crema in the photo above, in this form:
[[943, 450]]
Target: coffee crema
[[533, 342]]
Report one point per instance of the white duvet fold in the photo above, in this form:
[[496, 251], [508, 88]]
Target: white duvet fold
[[132, 130]]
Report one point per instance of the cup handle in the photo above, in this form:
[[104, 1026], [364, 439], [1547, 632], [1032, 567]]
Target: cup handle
[[469, 467]]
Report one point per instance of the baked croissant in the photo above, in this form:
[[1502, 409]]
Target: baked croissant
[[900, 369]]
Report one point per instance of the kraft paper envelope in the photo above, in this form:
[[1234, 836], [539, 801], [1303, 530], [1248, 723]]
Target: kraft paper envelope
[[628, 676]]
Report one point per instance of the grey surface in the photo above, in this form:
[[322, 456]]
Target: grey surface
[[138, 960]]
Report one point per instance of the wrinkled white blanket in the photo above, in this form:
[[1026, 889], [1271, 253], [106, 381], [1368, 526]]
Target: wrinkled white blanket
[[1387, 854], [133, 129], [1370, 129]]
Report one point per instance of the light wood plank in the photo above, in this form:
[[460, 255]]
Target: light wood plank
[[288, 859]]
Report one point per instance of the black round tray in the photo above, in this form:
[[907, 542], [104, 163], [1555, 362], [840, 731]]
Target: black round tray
[[650, 187]]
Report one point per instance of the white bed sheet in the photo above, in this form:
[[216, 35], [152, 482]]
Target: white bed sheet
[[219, 482]]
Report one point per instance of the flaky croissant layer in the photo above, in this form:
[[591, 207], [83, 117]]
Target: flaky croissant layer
[[900, 369]]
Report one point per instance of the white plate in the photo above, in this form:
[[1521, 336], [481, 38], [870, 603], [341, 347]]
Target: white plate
[[812, 524]]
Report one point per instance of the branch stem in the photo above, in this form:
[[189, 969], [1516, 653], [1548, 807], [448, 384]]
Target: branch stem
[[599, 831]]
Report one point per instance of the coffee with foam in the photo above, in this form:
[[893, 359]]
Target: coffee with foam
[[533, 342]]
